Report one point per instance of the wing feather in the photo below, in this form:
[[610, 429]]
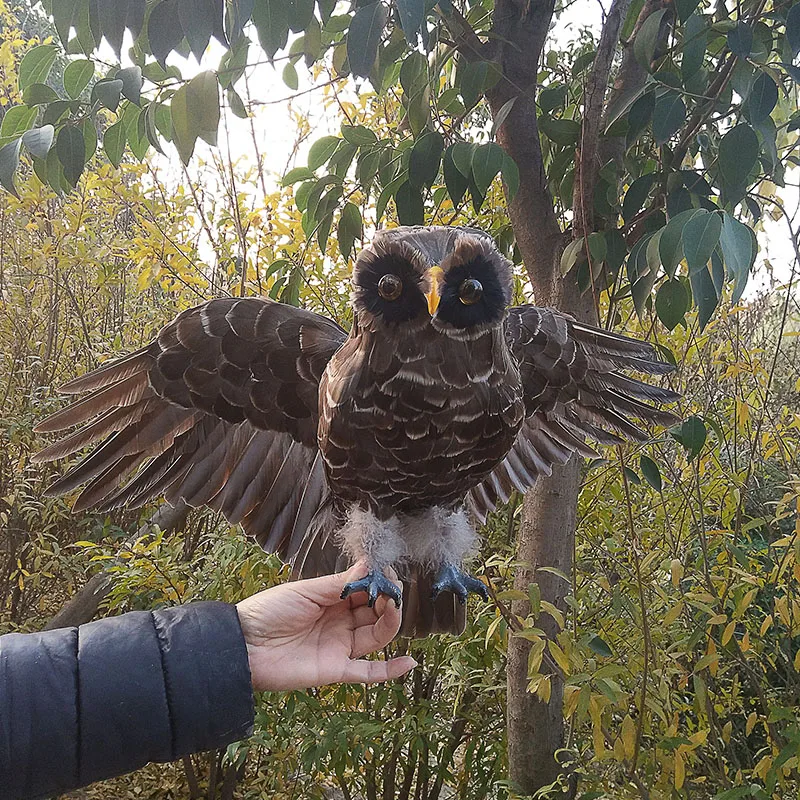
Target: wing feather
[[575, 390], [221, 409]]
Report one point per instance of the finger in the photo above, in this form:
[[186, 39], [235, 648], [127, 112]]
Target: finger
[[369, 638], [361, 671]]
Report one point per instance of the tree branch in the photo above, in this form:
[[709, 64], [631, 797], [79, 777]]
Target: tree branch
[[465, 39], [587, 162]]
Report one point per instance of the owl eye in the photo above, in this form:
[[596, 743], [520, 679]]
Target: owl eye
[[470, 292], [390, 287]]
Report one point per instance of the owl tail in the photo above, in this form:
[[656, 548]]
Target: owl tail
[[421, 615]]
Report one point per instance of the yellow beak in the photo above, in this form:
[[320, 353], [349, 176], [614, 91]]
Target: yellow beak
[[436, 275]]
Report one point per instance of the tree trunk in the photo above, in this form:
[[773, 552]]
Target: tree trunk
[[83, 605]]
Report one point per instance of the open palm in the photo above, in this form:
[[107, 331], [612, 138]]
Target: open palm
[[302, 634]]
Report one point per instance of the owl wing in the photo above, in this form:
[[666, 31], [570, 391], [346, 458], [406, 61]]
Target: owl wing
[[221, 410], [575, 390]]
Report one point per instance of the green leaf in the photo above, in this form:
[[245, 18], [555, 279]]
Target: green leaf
[[410, 208], [77, 76], [414, 73], [646, 41], [107, 93], [651, 472], [554, 96], [195, 113], [17, 120], [668, 116], [670, 245], [793, 29], [700, 237], [599, 646], [412, 15], [510, 173], [738, 153], [463, 153], [694, 46], [672, 303], [290, 77], [561, 131], [364, 36], [114, 142], [350, 228], [36, 65], [164, 31], [740, 39], [762, 99], [738, 251], [38, 141], [9, 161], [487, 161], [236, 103], [71, 151], [641, 275], [636, 195], [131, 78], [455, 181], [198, 20], [692, 435], [704, 294], [321, 151], [301, 13], [472, 82], [358, 135], [424, 160], [297, 174], [685, 8], [272, 25], [39, 93], [639, 116]]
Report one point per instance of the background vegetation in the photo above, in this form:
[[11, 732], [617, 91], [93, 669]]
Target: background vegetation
[[674, 638]]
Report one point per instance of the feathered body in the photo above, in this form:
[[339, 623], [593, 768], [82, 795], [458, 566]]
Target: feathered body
[[388, 442]]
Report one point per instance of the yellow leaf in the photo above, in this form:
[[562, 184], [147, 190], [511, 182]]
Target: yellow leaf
[[765, 625], [751, 723], [762, 768], [797, 661], [628, 736], [698, 738], [718, 619], [745, 645], [544, 689], [559, 656], [728, 632], [680, 771], [676, 571], [673, 613], [743, 604]]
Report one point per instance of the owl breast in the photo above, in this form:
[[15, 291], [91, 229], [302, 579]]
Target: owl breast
[[415, 422]]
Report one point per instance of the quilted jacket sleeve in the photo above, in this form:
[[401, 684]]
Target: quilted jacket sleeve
[[81, 704]]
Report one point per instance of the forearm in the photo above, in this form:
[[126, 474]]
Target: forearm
[[82, 704]]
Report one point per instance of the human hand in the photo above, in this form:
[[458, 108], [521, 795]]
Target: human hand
[[302, 634]]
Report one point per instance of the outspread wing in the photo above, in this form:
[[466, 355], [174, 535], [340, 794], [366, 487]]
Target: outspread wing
[[220, 410], [575, 390]]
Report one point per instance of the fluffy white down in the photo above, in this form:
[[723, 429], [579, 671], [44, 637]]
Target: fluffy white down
[[430, 538]]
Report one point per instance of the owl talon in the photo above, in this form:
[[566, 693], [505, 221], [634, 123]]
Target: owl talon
[[373, 583], [452, 579]]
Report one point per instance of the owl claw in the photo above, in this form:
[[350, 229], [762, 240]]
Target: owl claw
[[452, 579], [373, 583]]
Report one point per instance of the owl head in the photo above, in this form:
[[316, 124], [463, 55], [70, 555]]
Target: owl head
[[453, 279]]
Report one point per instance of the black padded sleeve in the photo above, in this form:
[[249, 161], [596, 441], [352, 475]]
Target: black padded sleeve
[[80, 705]]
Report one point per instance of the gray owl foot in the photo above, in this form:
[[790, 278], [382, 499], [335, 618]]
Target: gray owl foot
[[373, 583], [452, 579]]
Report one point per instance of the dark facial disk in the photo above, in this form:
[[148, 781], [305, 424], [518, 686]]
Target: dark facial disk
[[388, 287], [472, 294]]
